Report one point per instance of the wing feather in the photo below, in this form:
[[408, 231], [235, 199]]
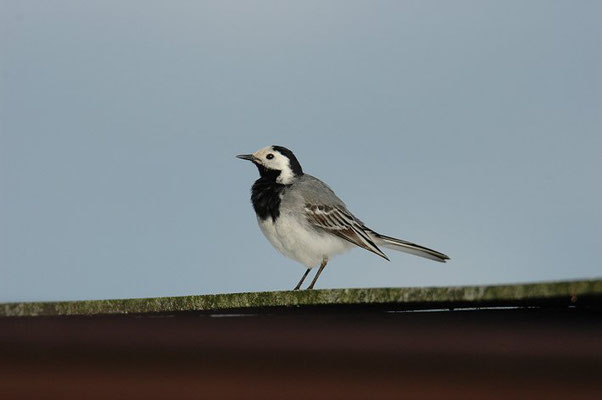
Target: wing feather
[[340, 222]]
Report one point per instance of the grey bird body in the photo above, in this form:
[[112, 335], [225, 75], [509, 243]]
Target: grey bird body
[[293, 233], [309, 189], [305, 220]]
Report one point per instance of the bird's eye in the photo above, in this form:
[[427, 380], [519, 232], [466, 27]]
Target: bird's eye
[[269, 156]]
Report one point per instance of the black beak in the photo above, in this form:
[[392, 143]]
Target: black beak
[[249, 157]]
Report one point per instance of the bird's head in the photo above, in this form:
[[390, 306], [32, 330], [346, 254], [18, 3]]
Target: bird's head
[[275, 163]]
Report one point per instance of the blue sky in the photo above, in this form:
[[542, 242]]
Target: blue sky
[[472, 127]]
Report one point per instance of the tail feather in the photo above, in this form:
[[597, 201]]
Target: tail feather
[[407, 247]]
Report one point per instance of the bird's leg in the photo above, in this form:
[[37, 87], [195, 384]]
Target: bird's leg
[[324, 262], [302, 279]]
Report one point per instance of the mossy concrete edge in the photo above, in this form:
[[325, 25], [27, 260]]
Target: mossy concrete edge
[[465, 295]]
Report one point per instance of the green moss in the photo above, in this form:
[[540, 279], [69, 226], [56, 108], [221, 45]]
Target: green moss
[[399, 297]]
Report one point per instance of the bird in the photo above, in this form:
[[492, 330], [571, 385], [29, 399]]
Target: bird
[[305, 220]]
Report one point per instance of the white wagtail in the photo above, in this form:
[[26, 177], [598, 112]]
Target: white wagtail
[[303, 218]]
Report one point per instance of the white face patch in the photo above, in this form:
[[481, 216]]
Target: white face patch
[[274, 160], [286, 177]]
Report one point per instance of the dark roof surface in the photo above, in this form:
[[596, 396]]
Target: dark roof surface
[[511, 341]]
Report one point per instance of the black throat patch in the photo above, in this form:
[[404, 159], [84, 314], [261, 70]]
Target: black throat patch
[[265, 196]]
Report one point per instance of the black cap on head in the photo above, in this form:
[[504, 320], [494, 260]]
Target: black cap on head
[[295, 166]]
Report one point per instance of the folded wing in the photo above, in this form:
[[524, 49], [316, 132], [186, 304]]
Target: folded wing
[[342, 223]]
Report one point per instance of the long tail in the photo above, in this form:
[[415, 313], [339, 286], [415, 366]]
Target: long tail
[[407, 247]]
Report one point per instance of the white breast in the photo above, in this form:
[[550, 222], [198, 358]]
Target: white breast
[[297, 240]]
